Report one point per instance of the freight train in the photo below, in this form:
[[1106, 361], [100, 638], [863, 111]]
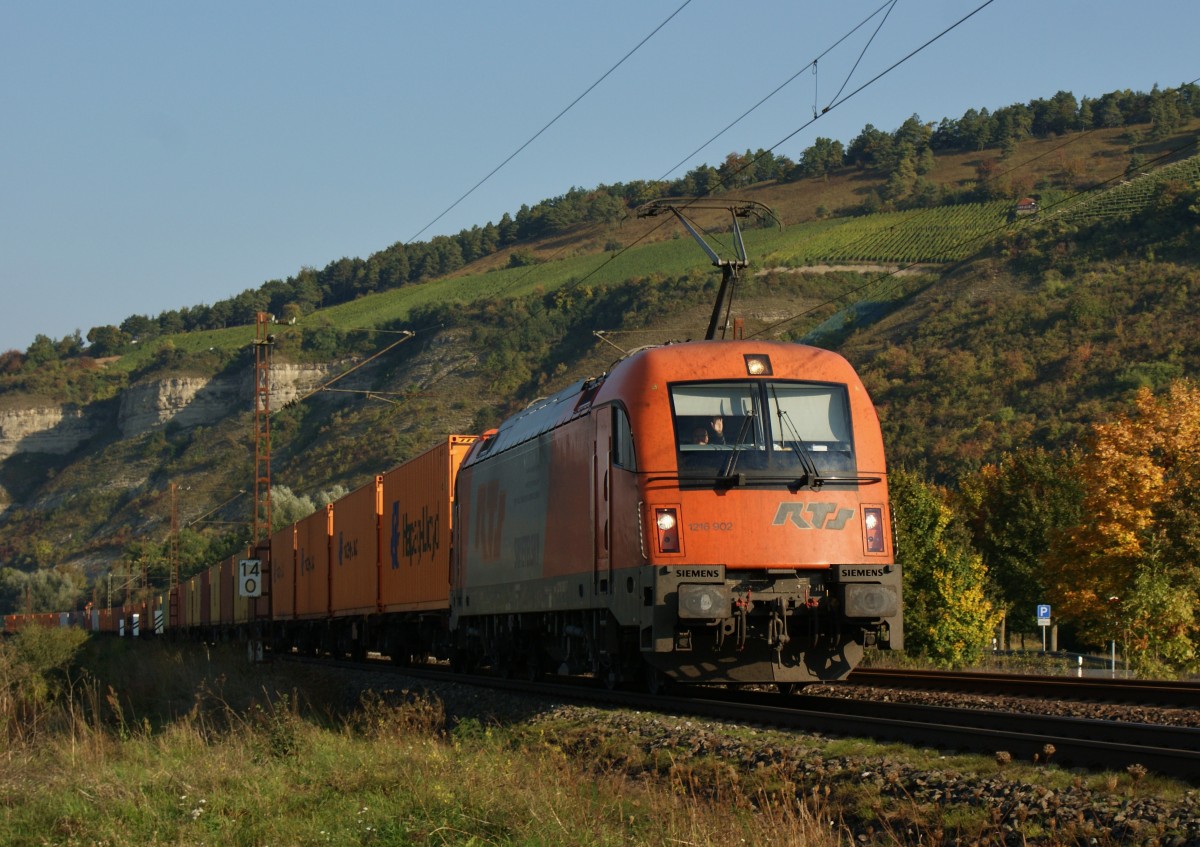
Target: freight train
[[704, 512]]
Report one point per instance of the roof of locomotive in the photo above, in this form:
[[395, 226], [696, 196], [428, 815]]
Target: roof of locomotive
[[725, 359], [539, 416], [700, 357]]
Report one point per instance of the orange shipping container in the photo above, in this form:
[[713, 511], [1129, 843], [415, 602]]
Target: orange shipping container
[[226, 569], [418, 498], [354, 577], [214, 596], [190, 601], [312, 564], [283, 574], [205, 598]]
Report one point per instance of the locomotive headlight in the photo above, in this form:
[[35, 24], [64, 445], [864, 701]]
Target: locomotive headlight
[[873, 529], [758, 364], [666, 521]]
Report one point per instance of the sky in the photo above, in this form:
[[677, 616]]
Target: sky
[[158, 155]]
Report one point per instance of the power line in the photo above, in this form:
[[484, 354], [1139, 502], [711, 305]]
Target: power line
[[572, 286], [780, 87], [866, 47], [1075, 138], [789, 136], [553, 121]]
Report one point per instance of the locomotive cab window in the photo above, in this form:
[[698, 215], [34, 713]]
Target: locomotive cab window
[[775, 431], [623, 455]]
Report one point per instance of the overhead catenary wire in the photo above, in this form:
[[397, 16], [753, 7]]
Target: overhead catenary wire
[[887, 5], [1075, 138], [776, 90], [857, 61], [201, 519], [723, 183], [325, 385], [553, 121]]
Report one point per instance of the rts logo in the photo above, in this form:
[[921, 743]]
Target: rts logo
[[819, 515]]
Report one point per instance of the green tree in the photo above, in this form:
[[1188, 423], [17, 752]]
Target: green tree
[[822, 158], [871, 148], [947, 616], [106, 340], [41, 351], [139, 327], [287, 507], [1014, 508], [33, 669], [903, 179]]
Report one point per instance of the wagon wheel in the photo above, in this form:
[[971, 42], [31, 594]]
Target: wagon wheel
[[533, 666], [609, 673], [657, 683]]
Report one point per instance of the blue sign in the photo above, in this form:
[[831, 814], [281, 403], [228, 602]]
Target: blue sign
[[1043, 614]]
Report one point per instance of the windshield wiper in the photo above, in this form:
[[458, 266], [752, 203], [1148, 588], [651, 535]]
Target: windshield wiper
[[737, 446], [811, 474]]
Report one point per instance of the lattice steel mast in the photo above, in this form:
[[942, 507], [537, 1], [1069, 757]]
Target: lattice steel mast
[[263, 341]]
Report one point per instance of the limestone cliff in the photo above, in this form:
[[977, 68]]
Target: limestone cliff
[[186, 401], [44, 429]]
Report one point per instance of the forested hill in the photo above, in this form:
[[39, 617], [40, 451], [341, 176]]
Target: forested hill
[[982, 331]]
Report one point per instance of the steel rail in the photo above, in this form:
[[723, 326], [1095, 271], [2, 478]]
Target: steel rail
[[1070, 742], [1144, 692]]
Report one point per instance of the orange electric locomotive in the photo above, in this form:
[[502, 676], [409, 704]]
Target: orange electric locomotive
[[710, 511]]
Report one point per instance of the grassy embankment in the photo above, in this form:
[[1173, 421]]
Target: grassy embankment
[[149, 743], [187, 746]]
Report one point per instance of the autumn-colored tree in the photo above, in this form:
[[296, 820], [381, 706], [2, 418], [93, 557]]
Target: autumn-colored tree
[[1130, 569], [947, 617]]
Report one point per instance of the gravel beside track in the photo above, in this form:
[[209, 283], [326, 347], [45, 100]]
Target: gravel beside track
[[1125, 713], [913, 797]]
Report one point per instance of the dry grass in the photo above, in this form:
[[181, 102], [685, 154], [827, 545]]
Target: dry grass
[[252, 762], [259, 755]]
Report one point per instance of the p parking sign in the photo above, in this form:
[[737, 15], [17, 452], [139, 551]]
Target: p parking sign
[[250, 577], [1043, 614]]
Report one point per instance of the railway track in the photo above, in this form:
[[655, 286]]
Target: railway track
[[1141, 692], [1070, 742]]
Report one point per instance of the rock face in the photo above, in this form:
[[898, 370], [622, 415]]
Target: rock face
[[45, 429], [197, 401], [187, 401]]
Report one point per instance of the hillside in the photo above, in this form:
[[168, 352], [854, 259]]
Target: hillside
[[977, 332]]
